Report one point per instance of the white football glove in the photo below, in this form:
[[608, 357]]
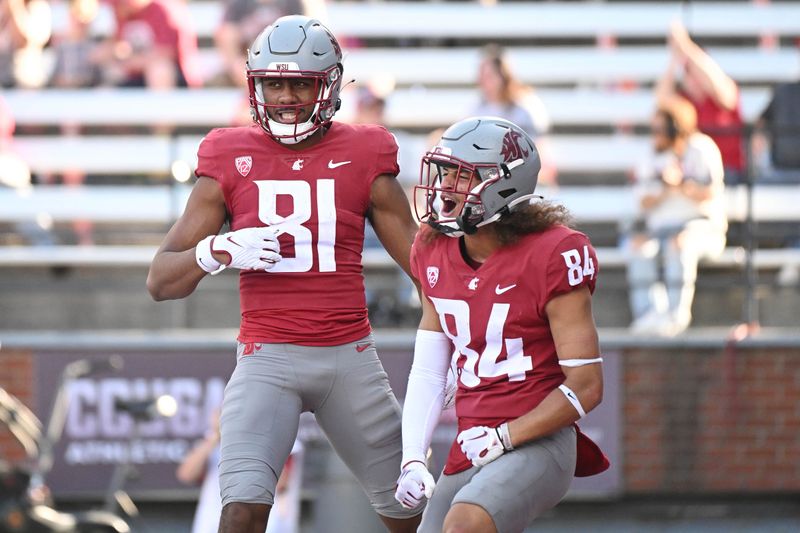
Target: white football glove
[[414, 482], [248, 249], [482, 444]]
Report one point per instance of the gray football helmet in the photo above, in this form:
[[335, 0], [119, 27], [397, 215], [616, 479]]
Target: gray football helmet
[[295, 46], [497, 166]]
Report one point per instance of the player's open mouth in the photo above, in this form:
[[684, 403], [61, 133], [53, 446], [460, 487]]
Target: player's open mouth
[[287, 116], [448, 205]]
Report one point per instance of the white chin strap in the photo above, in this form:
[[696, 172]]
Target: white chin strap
[[452, 225], [285, 133]]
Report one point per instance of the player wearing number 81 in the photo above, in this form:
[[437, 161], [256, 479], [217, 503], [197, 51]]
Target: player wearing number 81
[[296, 189], [507, 285]]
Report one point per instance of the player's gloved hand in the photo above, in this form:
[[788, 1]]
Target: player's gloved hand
[[482, 444], [247, 248], [414, 482]]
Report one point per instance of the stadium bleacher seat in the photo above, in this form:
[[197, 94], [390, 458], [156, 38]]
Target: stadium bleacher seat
[[592, 63], [514, 20]]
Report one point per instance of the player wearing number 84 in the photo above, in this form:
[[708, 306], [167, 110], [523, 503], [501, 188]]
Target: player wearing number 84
[[296, 189], [507, 287]]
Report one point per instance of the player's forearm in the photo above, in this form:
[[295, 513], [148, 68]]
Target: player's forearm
[[556, 411], [425, 392], [173, 275]]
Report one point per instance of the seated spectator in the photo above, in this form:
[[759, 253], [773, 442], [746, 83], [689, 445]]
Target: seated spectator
[[154, 45], [776, 141], [503, 95], [693, 74], [25, 27], [76, 61], [200, 466], [681, 220]]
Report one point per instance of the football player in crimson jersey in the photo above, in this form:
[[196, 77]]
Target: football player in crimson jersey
[[508, 286], [296, 189]]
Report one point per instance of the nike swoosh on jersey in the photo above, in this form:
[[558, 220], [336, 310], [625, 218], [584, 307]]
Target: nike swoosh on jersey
[[501, 290], [361, 347], [331, 164]]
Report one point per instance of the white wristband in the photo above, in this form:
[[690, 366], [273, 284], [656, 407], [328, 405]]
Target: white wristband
[[573, 399], [505, 436], [579, 362], [205, 258]]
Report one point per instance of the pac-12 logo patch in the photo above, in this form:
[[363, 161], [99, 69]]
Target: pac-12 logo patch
[[243, 164], [433, 275]]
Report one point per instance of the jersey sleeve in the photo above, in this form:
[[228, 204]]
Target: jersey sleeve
[[385, 154], [572, 264], [415, 257], [208, 155]]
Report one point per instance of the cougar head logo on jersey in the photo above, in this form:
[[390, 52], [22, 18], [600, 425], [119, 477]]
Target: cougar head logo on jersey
[[243, 164], [433, 275]]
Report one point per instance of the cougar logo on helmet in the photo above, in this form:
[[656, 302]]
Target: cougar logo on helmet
[[511, 148]]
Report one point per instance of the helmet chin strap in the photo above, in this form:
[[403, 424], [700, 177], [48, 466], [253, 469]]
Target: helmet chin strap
[[285, 133], [463, 221], [451, 229]]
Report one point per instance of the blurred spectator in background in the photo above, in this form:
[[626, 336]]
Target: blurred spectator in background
[[776, 140], [776, 154], [693, 74], [77, 64], [16, 174], [200, 465], [503, 95], [154, 45], [371, 109], [242, 20], [681, 220], [25, 28]]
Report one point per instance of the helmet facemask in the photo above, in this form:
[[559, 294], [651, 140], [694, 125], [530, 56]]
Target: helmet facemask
[[324, 105], [450, 191]]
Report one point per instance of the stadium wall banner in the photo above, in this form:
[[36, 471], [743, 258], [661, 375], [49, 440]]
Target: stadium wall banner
[[97, 438]]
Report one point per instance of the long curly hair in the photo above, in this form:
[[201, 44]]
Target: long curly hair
[[532, 218]]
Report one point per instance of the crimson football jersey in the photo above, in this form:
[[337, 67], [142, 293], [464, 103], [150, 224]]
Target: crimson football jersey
[[495, 317], [318, 199]]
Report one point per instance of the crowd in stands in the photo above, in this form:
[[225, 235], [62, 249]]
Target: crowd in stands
[[697, 118]]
